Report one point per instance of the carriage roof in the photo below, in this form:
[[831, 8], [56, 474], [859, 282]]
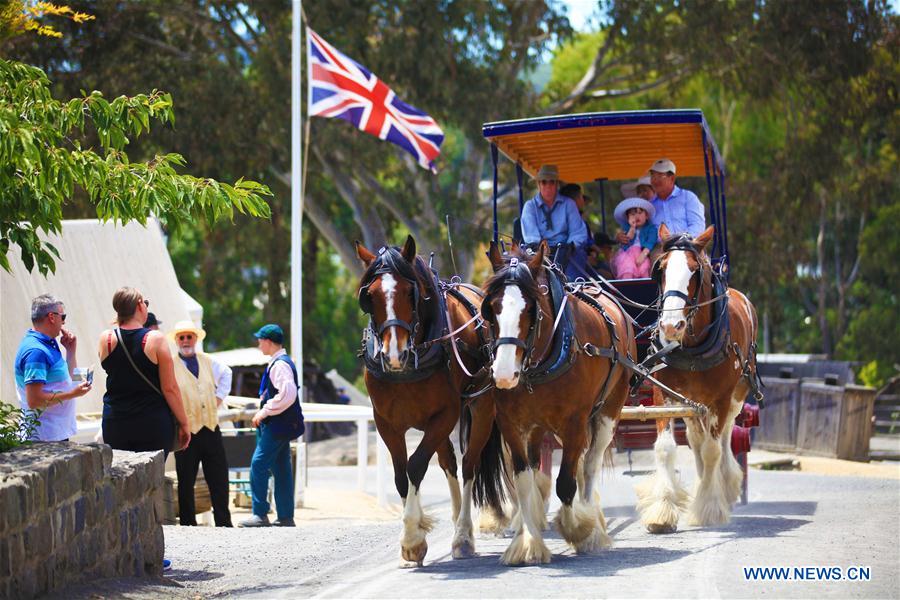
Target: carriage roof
[[609, 145]]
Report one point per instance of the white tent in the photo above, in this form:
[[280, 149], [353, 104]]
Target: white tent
[[95, 260]]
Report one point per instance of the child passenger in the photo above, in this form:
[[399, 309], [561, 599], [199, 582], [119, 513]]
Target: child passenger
[[634, 215]]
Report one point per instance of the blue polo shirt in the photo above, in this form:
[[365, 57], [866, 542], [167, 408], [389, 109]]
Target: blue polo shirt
[[39, 360]]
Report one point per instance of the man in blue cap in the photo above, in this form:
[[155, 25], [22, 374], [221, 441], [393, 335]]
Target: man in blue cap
[[278, 421]]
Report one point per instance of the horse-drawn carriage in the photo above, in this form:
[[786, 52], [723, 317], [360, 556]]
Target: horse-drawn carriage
[[601, 148], [531, 354]]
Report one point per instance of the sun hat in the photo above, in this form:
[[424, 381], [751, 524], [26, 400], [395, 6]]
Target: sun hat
[[272, 332], [629, 203], [184, 327], [629, 190], [663, 165], [548, 172]]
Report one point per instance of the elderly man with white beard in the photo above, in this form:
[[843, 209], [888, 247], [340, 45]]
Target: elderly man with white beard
[[204, 384]]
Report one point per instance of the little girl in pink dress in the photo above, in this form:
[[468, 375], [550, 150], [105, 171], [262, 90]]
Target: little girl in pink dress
[[631, 262]]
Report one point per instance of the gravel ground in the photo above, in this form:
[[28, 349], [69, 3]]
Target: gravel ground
[[792, 519]]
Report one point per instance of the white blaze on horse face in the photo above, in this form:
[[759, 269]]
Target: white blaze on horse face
[[506, 364], [389, 288], [678, 277]]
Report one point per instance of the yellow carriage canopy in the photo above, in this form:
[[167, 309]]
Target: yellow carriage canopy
[[609, 145]]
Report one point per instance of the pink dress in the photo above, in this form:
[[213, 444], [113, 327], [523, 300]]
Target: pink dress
[[624, 263]]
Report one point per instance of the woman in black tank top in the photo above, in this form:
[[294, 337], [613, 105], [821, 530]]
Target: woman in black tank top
[[136, 413]]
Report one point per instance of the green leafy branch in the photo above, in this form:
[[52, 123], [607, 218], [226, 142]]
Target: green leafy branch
[[43, 164], [16, 425]]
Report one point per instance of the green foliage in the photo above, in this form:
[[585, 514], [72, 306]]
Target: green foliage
[[16, 425], [45, 164]]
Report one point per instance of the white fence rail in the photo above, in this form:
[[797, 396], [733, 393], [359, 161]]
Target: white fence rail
[[240, 408]]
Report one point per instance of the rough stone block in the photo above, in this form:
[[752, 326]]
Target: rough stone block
[[38, 537], [63, 525], [13, 492], [80, 508], [123, 529]]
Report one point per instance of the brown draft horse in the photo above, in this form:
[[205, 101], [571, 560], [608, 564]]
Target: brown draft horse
[[689, 317], [581, 406], [416, 386]]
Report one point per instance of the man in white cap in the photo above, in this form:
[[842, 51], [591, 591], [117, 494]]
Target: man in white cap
[[550, 215], [679, 209], [204, 384]]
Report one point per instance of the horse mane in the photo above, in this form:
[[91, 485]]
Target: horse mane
[[418, 271], [498, 280]]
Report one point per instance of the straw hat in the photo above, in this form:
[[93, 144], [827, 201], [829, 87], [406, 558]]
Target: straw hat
[[186, 327]]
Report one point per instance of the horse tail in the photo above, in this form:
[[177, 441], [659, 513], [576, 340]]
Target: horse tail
[[491, 473], [465, 426]]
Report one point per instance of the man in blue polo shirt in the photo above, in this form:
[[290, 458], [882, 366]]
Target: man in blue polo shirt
[[679, 209], [43, 376]]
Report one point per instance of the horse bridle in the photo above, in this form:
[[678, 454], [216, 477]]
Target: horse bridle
[[387, 264], [684, 243], [517, 274]]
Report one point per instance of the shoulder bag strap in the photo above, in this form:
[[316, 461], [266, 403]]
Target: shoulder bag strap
[[131, 360]]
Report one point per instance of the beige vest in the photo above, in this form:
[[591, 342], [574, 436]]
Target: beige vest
[[198, 393]]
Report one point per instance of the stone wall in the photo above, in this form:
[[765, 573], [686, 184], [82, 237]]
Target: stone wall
[[77, 512]]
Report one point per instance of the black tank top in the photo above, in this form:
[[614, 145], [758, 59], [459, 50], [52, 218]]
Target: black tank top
[[127, 394]]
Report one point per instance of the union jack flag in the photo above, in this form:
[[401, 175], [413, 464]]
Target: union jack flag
[[339, 87]]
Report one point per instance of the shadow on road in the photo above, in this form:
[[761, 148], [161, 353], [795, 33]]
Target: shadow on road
[[487, 565], [807, 509]]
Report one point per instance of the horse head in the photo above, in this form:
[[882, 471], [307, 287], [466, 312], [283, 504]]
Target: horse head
[[683, 274], [512, 307], [391, 292]]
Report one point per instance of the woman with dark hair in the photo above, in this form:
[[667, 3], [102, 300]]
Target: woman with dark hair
[[142, 394]]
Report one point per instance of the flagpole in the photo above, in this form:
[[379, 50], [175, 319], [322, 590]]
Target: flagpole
[[296, 193]]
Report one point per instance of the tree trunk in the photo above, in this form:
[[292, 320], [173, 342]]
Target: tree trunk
[[823, 282]]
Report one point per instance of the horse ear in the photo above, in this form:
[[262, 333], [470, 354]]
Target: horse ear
[[664, 233], [703, 240], [363, 253], [495, 256], [537, 261], [409, 249]]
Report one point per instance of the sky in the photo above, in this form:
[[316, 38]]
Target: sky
[[580, 12]]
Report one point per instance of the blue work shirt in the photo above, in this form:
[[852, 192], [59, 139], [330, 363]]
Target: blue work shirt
[[682, 212], [559, 223], [39, 360]]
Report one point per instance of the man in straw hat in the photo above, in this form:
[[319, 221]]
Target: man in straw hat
[[679, 209], [552, 216], [204, 384]]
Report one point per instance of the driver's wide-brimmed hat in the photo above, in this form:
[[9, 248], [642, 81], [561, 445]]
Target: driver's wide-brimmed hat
[[548, 173], [628, 203], [186, 327]]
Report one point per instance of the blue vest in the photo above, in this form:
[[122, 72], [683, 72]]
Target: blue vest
[[289, 423]]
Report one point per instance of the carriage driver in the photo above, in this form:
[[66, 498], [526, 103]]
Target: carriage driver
[[679, 209], [553, 217]]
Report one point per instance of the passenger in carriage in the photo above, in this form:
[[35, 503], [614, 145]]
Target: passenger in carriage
[[584, 256], [679, 209], [632, 260], [644, 189], [553, 217]]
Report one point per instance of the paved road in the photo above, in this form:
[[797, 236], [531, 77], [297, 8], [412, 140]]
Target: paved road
[[793, 519]]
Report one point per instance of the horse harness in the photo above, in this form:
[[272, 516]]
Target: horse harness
[[716, 336], [439, 343]]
